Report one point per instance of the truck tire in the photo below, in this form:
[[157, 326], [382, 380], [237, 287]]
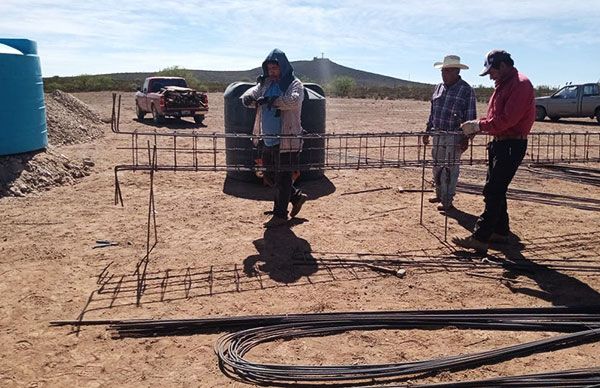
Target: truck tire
[[198, 119], [554, 118], [157, 118], [540, 113], [139, 112]]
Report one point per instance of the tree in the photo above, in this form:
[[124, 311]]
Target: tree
[[342, 86], [176, 71]]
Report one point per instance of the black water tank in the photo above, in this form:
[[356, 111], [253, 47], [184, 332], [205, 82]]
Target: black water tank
[[239, 119]]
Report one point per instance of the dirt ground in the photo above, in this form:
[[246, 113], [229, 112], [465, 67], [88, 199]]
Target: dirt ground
[[50, 270]]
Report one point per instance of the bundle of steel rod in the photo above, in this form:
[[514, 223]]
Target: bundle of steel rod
[[232, 348], [578, 174], [583, 317], [585, 377], [583, 203], [581, 325]]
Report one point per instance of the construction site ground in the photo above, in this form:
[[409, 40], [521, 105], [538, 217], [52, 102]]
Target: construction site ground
[[50, 270]]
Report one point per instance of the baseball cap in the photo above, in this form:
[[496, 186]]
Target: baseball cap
[[495, 57]]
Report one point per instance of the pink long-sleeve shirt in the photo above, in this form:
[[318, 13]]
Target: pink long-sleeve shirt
[[511, 110]]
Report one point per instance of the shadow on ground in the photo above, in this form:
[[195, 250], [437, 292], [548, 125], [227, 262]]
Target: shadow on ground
[[278, 251], [254, 190], [464, 219], [551, 262], [554, 271], [171, 123]]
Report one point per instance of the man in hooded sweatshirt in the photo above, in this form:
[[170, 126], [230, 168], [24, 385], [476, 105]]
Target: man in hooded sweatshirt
[[277, 98]]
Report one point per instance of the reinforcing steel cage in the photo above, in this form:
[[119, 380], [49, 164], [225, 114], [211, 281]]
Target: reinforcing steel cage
[[194, 151], [191, 150]]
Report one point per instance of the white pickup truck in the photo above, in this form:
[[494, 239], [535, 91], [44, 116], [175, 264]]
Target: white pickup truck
[[570, 101]]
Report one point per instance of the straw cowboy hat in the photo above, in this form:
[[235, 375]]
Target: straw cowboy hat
[[450, 61]]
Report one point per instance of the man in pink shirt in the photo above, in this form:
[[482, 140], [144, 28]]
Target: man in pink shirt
[[510, 116]]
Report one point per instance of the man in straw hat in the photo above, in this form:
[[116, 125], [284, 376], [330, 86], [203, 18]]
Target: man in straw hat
[[452, 103], [510, 116]]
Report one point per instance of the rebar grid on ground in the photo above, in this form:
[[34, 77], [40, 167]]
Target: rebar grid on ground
[[572, 255]]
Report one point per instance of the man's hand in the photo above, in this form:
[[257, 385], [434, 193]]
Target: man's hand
[[248, 100], [470, 127], [266, 100], [425, 139]]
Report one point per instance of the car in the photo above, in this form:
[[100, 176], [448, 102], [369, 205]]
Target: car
[[570, 101]]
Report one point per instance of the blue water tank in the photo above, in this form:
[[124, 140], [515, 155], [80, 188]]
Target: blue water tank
[[22, 108]]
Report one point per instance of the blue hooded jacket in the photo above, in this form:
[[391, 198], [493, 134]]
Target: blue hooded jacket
[[287, 71], [288, 105]]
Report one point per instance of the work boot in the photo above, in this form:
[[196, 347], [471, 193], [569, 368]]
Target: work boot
[[297, 205], [499, 238], [441, 207], [434, 200], [275, 221], [472, 243]]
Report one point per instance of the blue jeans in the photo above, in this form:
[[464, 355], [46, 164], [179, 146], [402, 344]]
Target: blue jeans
[[446, 153], [504, 158]]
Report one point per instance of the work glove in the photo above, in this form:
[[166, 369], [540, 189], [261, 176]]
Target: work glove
[[262, 100], [266, 100], [248, 99], [470, 127], [425, 139]]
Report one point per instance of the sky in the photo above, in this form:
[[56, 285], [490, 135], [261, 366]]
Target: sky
[[551, 41]]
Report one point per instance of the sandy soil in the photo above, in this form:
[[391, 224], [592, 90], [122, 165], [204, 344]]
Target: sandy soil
[[50, 270]]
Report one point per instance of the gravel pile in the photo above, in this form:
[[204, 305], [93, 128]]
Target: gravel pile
[[69, 121], [30, 172]]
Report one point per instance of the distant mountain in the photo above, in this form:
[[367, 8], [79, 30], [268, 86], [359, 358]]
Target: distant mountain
[[323, 71], [319, 70]]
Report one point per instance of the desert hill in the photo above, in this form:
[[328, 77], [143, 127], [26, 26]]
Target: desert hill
[[319, 70]]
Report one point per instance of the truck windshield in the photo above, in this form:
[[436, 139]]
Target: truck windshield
[[175, 82], [567, 92]]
